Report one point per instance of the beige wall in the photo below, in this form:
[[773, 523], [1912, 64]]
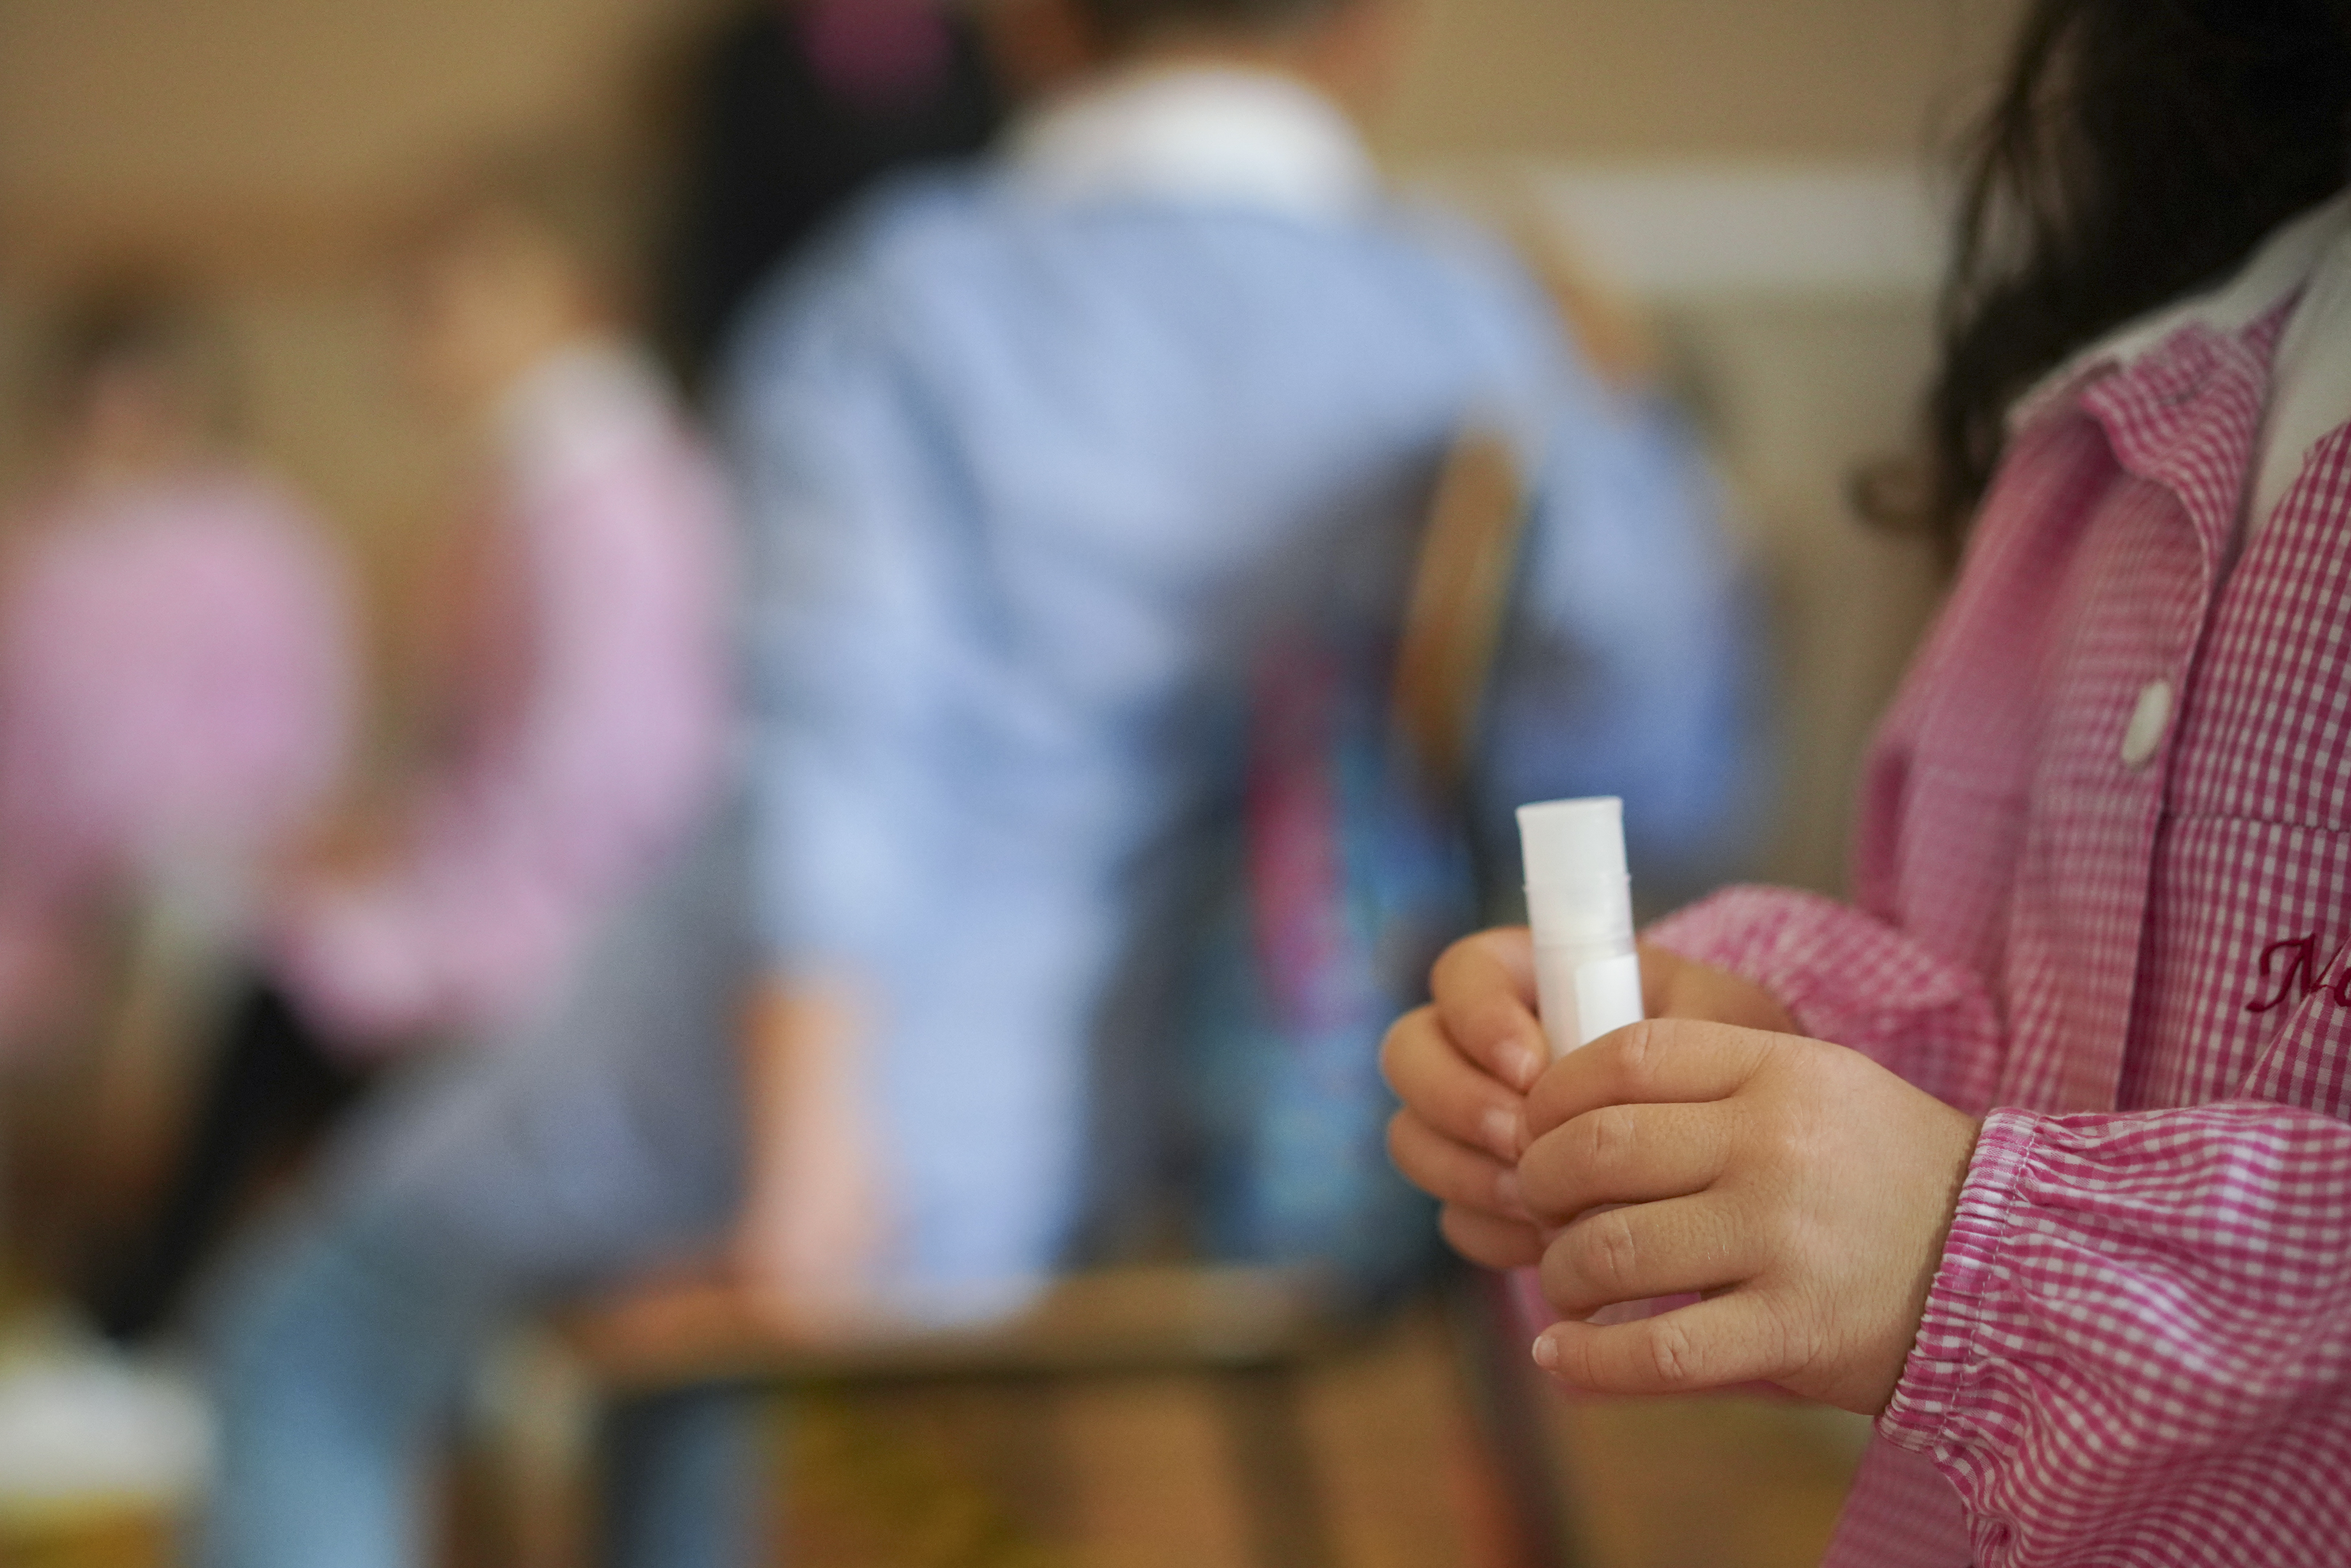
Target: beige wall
[[1670, 79], [205, 118]]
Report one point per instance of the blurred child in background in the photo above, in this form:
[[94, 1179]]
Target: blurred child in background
[[583, 680], [800, 105], [175, 701], [582, 694], [1042, 458], [176, 650], [1046, 461]]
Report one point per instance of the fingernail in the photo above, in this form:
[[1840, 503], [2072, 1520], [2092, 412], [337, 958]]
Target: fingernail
[[1502, 1131], [1547, 1354], [1522, 1066]]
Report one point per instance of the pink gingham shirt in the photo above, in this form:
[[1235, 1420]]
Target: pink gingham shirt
[[594, 712], [2102, 894]]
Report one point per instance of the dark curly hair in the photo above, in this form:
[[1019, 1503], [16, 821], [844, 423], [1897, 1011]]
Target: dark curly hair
[[2139, 150]]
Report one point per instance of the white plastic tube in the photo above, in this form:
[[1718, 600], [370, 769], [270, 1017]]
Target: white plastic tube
[[1580, 902]]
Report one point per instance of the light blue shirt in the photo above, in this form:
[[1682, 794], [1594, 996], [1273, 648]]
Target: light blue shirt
[[1037, 458]]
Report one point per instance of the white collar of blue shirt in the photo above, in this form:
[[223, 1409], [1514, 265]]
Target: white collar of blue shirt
[[2309, 391], [584, 384], [1216, 135]]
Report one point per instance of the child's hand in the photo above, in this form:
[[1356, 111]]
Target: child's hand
[[1804, 1188], [1463, 1064], [807, 1245], [354, 845], [1672, 986], [814, 1219]]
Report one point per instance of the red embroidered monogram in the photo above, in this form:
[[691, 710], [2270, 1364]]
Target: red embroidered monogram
[[2137, 1347], [2300, 970]]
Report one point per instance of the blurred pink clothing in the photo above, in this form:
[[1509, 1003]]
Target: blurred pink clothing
[[175, 679], [592, 713]]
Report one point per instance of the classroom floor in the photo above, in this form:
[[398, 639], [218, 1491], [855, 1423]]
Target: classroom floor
[[1134, 1473], [1137, 1475]]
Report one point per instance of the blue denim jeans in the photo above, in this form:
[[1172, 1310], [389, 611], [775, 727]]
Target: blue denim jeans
[[600, 1140], [338, 1364]]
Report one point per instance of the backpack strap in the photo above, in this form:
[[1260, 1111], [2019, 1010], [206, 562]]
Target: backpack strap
[[1454, 606]]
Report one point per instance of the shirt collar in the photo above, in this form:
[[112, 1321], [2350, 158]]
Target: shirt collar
[[582, 383], [1215, 135], [2283, 264]]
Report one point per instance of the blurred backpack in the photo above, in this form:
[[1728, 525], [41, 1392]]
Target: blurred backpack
[[1350, 867]]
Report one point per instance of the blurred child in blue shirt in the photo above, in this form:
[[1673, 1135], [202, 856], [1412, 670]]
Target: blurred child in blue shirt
[[1040, 460]]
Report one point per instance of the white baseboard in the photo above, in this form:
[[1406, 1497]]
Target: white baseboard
[[1678, 231]]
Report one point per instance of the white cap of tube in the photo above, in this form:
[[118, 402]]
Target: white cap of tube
[[1580, 900], [1579, 889]]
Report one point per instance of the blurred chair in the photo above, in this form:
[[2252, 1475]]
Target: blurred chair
[[1255, 1330]]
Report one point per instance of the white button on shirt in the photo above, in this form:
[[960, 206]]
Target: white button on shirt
[[2143, 735]]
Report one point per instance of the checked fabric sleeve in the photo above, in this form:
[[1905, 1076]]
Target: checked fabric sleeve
[[2137, 1347]]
